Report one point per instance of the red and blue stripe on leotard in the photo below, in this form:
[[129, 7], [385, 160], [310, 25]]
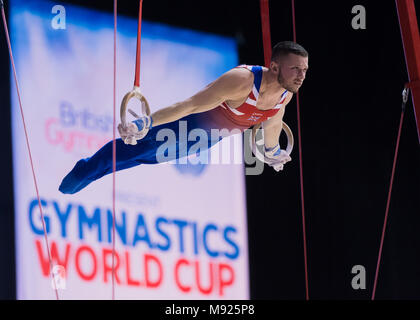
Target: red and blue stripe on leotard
[[247, 114]]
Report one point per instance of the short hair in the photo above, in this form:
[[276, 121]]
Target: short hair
[[283, 48]]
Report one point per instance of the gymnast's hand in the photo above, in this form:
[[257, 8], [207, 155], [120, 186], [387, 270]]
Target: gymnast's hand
[[135, 130], [276, 158]]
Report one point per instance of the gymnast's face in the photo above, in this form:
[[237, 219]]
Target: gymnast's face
[[292, 71]]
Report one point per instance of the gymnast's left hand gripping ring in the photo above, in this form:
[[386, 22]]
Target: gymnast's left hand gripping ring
[[254, 143], [135, 93]]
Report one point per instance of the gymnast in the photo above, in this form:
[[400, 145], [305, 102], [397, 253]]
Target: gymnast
[[239, 99]]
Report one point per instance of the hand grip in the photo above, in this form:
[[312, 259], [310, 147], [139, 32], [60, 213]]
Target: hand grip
[[135, 93]]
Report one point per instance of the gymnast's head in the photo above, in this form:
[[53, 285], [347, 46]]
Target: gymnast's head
[[289, 62]]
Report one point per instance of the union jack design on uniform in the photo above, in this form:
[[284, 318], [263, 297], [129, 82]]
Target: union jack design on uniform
[[248, 114]]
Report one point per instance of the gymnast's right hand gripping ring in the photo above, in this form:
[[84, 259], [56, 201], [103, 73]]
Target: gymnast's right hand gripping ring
[[135, 93]]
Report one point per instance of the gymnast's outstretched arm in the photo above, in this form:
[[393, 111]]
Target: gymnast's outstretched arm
[[232, 85]]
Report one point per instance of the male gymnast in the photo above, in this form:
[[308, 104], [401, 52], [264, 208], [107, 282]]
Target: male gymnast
[[239, 99]]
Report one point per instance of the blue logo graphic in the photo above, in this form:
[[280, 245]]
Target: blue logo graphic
[[194, 170]]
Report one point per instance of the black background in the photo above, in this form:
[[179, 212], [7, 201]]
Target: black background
[[350, 106]]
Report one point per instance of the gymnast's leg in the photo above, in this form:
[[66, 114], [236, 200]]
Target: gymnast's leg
[[144, 152], [90, 169]]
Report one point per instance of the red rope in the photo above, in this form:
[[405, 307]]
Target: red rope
[[114, 150], [138, 55], [265, 23], [387, 203], [29, 148], [301, 169], [114, 145], [294, 20]]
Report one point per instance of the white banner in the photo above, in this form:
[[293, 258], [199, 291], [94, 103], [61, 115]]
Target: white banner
[[180, 234]]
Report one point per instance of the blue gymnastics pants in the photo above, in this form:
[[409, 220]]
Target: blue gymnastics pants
[[145, 152]]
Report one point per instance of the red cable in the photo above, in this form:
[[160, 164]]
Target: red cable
[[28, 146], [114, 151], [114, 145], [138, 55], [387, 204], [265, 22], [301, 169], [294, 20]]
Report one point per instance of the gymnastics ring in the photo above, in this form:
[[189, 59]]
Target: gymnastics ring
[[135, 93], [254, 142]]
